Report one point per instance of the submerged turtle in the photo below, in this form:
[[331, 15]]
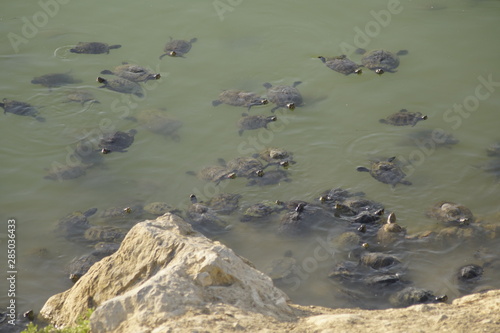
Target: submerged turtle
[[239, 98], [248, 167], [279, 156], [93, 48], [80, 96], [215, 173], [121, 85], [451, 213], [20, 108], [302, 218], [79, 266], [403, 118], [55, 80], [493, 149], [74, 224], [133, 73], [284, 96], [117, 141], [159, 122], [391, 232], [65, 172], [281, 268], [107, 234], [203, 218], [253, 122], [492, 167], [261, 210], [387, 172], [86, 153], [224, 203], [436, 137], [380, 60], [342, 65], [177, 47], [271, 177], [122, 214], [412, 295], [158, 208]]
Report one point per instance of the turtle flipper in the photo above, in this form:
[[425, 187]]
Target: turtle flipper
[[405, 182], [216, 103], [114, 46], [362, 169]]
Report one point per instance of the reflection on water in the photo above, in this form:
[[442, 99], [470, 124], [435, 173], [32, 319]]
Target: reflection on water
[[449, 74]]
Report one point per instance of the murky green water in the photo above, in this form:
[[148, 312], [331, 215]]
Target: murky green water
[[453, 50]]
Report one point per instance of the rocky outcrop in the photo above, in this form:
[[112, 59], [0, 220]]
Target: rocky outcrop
[[168, 278]]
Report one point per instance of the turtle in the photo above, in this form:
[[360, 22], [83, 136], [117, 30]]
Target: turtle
[[79, 266], [86, 153], [281, 268], [381, 60], [271, 177], [451, 213], [205, 219], [341, 64], [73, 225], [133, 73], [378, 260], [253, 122], [348, 241], [107, 234], [239, 98], [121, 214], [55, 80], [157, 121], [403, 118], [21, 109], [215, 173], [469, 273], [248, 167], [284, 96], [261, 210], [80, 96], [66, 172], [493, 150], [93, 48], [121, 85], [390, 232], [387, 172], [177, 47], [302, 218], [224, 203], [158, 208], [435, 138], [278, 156], [117, 141], [413, 295], [493, 167]]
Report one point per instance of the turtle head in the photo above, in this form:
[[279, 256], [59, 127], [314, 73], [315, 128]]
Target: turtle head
[[322, 58], [379, 71], [105, 151], [101, 80], [423, 118], [264, 101], [193, 198], [358, 71], [272, 118], [290, 106], [172, 53], [231, 175], [391, 218], [284, 164], [259, 173]]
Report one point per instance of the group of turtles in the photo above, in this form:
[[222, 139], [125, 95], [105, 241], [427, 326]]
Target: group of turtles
[[373, 253]]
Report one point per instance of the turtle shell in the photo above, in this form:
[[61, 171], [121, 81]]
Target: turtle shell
[[55, 80], [177, 47], [381, 60], [121, 85], [284, 96], [254, 122], [451, 213], [239, 98], [342, 65], [93, 48], [20, 109], [133, 73], [387, 172], [404, 118], [117, 141]]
